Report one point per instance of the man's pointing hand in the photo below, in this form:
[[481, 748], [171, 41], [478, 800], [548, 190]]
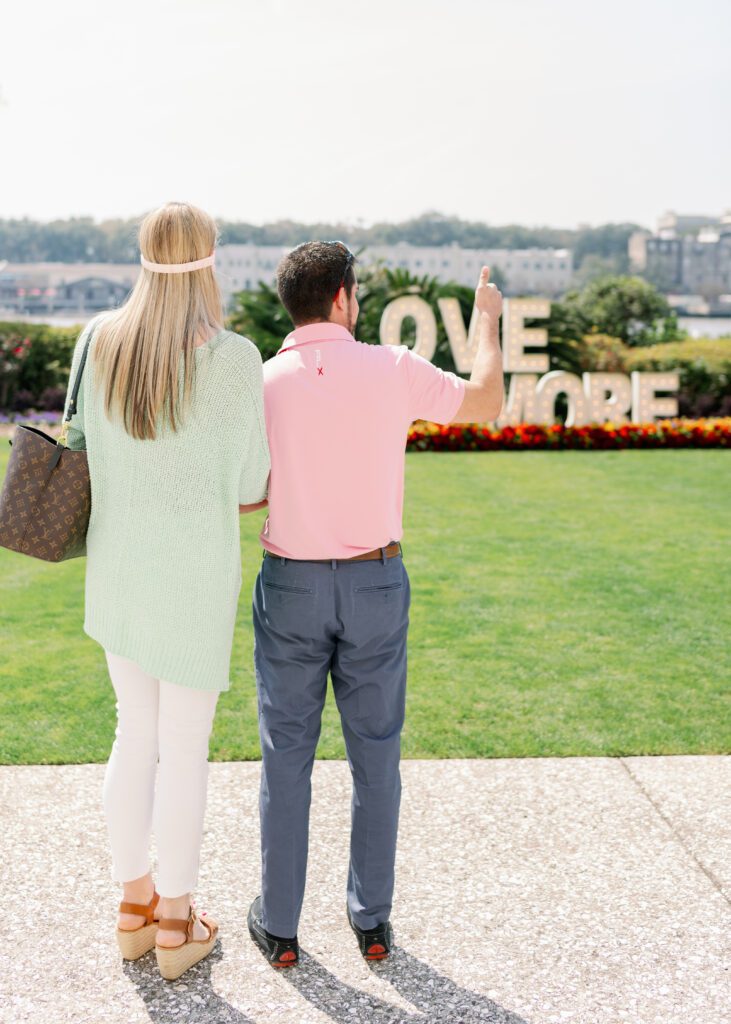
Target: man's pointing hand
[[487, 297]]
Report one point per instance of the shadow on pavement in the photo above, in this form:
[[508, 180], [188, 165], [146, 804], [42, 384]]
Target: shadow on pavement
[[182, 1002], [439, 1000]]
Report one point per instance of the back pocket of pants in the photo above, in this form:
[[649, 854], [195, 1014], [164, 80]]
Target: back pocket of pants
[[283, 589], [379, 587]]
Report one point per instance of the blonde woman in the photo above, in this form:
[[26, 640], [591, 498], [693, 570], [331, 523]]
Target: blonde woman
[[171, 414]]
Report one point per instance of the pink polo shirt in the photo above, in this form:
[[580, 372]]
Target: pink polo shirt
[[337, 415]]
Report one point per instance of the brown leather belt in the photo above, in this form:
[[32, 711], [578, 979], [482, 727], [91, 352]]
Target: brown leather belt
[[391, 551]]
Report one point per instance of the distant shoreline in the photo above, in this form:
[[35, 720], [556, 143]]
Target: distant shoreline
[[706, 326]]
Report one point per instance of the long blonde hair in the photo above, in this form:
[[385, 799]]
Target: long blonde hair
[[137, 350]]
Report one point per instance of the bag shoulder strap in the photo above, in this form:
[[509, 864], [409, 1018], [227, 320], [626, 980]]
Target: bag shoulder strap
[[77, 383], [71, 411]]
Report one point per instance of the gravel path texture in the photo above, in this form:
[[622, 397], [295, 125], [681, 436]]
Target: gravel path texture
[[545, 891]]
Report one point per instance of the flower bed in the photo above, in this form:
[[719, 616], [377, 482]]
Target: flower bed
[[31, 417], [48, 422], [709, 433]]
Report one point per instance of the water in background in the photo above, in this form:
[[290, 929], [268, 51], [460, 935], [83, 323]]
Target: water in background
[[696, 326], [706, 326], [79, 319]]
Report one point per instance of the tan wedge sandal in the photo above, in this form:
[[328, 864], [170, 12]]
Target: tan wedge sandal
[[135, 942], [175, 960]]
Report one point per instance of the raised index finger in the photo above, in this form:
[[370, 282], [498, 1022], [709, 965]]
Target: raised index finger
[[484, 275]]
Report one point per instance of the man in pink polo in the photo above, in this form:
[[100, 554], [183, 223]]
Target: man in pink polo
[[332, 597]]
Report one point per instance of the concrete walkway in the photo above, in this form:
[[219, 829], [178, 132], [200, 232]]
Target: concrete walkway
[[557, 891]]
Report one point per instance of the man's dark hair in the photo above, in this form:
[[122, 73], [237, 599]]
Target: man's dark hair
[[308, 279]]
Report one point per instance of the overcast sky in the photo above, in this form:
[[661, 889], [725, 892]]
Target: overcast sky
[[524, 111]]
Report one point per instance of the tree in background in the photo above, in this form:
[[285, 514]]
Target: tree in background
[[82, 239], [626, 308], [259, 315], [603, 246], [78, 240], [379, 285], [594, 267], [586, 332]]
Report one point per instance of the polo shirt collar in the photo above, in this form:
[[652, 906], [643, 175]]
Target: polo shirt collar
[[324, 331]]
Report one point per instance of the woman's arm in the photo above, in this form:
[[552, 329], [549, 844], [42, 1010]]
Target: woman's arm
[[253, 508], [255, 467]]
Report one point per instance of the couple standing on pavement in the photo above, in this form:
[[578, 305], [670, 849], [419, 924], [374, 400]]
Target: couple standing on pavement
[[180, 421]]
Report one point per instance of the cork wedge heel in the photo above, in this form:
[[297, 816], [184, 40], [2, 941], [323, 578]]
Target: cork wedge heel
[[135, 942], [174, 961]]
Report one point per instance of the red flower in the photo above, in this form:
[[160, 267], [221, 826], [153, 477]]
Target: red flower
[[525, 436]]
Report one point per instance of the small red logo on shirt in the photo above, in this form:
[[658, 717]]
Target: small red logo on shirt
[[320, 371]]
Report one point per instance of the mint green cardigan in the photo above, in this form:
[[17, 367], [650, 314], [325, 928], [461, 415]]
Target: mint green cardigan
[[163, 564]]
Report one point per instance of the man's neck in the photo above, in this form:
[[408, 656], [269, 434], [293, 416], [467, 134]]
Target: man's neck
[[311, 323]]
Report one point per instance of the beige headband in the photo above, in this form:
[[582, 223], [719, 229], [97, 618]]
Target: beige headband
[[177, 268]]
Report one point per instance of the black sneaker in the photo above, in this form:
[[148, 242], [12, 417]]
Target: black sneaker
[[375, 943], [278, 951]]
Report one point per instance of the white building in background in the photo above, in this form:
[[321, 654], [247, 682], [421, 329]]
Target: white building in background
[[684, 223], [546, 272], [689, 254], [240, 268], [53, 289], [76, 290]]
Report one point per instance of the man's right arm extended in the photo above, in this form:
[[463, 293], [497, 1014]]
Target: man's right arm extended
[[483, 397]]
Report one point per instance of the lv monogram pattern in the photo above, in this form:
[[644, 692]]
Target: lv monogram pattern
[[44, 512]]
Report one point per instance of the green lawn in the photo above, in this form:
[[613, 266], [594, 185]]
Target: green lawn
[[562, 603]]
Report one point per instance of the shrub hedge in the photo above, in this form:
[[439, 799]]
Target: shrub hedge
[[45, 366], [38, 378], [705, 372]]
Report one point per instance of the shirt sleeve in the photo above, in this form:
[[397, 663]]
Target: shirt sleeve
[[76, 437], [434, 394], [256, 464]]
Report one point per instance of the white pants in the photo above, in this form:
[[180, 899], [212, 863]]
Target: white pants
[[156, 719]]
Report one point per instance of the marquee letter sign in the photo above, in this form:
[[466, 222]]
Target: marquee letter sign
[[426, 324], [609, 396], [462, 343], [556, 383], [591, 398], [516, 336]]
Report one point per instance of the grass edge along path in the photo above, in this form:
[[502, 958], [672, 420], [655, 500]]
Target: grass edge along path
[[568, 603]]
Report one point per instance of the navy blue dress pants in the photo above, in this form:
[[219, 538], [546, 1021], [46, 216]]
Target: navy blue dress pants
[[348, 620]]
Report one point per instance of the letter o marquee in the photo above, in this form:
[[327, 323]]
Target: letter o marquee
[[426, 324]]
